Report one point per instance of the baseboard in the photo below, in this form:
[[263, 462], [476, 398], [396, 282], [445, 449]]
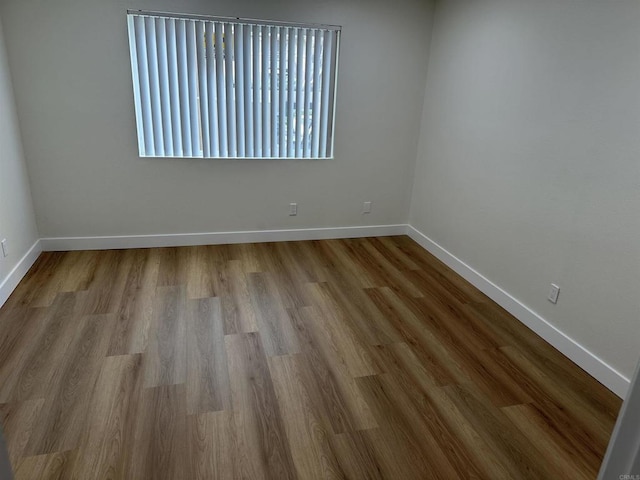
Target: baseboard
[[596, 367], [216, 238], [10, 282]]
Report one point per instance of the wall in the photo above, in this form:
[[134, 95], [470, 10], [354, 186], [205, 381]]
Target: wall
[[528, 167], [17, 221], [70, 64]]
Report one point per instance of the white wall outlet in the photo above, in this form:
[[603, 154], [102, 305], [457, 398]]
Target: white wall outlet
[[293, 209], [5, 249], [366, 207], [554, 291]]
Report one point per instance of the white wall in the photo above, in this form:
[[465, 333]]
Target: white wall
[[70, 64], [529, 160], [17, 221]]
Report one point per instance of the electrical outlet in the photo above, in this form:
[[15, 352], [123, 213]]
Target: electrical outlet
[[553, 293], [293, 209], [366, 207], [5, 251]]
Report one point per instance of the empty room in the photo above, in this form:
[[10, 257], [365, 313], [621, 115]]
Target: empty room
[[296, 239]]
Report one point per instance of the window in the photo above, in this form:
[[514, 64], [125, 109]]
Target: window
[[232, 88]]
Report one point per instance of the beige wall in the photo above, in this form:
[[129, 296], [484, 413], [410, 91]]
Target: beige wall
[[70, 64], [529, 164], [17, 222]]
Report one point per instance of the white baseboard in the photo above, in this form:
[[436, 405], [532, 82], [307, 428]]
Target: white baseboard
[[216, 238], [10, 282], [596, 367]]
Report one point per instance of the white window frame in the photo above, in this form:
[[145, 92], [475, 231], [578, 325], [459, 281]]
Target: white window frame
[[178, 80]]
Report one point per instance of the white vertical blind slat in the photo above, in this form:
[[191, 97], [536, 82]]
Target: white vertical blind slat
[[282, 78], [266, 105], [202, 88], [232, 141], [257, 90], [275, 97], [317, 89], [154, 86], [212, 94], [238, 52], [332, 92], [174, 87], [308, 80], [192, 71], [183, 81], [326, 85], [138, 90], [163, 81], [291, 95], [300, 100], [222, 89], [248, 89]]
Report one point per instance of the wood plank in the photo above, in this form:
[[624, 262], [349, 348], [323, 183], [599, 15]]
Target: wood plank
[[208, 387], [48, 283], [419, 387], [308, 256], [172, 271], [290, 287], [550, 441], [400, 259], [233, 290], [135, 308], [199, 269], [44, 355], [307, 436], [20, 330], [276, 331], [160, 444], [109, 423], [166, 357], [414, 330], [36, 282], [511, 449], [246, 254], [63, 418], [593, 434], [18, 421], [212, 445], [341, 402], [107, 285], [470, 439], [356, 457], [357, 310], [404, 439], [330, 324], [380, 268], [438, 270], [263, 450], [553, 364], [54, 466], [81, 270], [338, 258]]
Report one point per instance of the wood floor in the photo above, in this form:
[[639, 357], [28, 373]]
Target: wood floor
[[358, 359]]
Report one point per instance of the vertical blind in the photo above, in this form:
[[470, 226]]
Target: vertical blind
[[222, 88]]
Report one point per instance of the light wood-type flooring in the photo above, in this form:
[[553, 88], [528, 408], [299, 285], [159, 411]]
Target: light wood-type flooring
[[360, 359]]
